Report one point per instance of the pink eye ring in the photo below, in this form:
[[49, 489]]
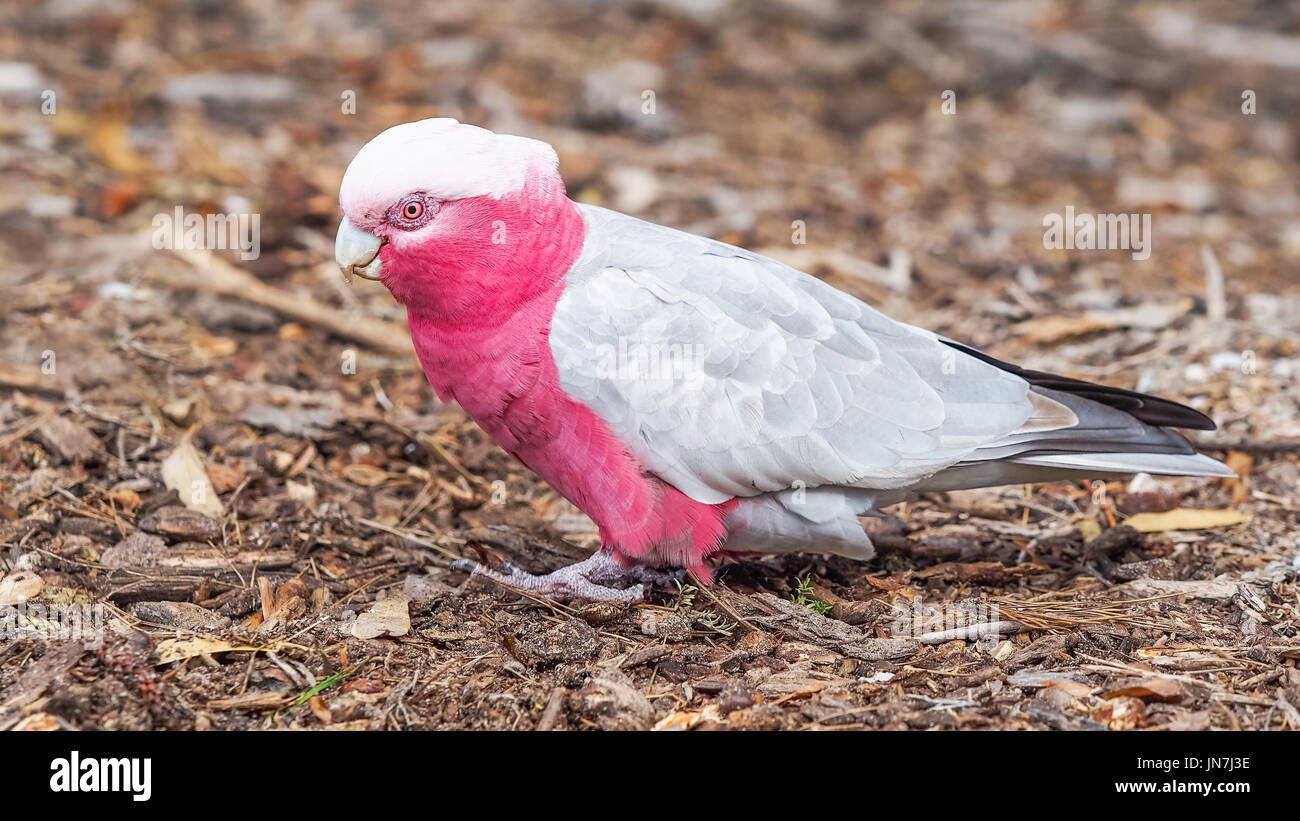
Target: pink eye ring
[[412, 212]]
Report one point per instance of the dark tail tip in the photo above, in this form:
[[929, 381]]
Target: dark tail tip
[[1146, 408]]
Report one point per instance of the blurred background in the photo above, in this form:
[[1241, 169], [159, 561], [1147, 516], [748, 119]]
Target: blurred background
[[919, 147], [908, 153]]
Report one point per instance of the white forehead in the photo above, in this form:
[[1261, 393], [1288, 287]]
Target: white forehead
[[443, 157]]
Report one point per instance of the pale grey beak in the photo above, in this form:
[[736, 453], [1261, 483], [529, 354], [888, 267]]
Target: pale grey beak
[[357, 252]]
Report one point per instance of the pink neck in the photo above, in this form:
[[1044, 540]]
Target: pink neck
[[497, 259], [483, 337]]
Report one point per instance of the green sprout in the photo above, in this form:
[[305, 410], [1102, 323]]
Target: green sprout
[[326, 684], [806, 596]]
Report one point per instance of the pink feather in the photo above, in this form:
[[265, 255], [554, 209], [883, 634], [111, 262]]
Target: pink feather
[[480, 316]]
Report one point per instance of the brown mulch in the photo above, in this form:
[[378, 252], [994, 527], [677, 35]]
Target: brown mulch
[[309, 584]]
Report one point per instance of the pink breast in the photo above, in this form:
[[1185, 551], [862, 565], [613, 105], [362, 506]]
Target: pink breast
[[501, 371]]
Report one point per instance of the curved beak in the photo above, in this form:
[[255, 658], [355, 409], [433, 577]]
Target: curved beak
[[357, 252]]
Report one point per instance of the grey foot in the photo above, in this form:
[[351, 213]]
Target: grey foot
[[598, 578]]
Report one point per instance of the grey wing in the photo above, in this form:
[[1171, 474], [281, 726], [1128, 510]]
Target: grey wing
[[730, 374]]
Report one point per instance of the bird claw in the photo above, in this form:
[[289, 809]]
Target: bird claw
[[599, 578]]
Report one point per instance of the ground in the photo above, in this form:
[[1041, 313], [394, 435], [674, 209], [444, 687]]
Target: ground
[[240, 461]]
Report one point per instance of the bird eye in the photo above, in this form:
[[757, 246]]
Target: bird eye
[[412, 212]]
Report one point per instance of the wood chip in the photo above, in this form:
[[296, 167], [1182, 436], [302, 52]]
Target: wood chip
[[803, 623], [1184, 519], [252, 700], [71, 440], [1123, 713], [1209, 589], [1289, 710], [799, 680], [1051, 329], [180, 614], [183, 472], [992, 573], [49, 670], [365, 475], [386, 617], [1038, 679], [39, 722], [686, 720], [1150, 688]]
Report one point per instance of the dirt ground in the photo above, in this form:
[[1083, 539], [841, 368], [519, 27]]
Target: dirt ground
[[305, 580]]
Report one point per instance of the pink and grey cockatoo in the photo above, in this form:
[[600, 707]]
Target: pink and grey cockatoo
[[775, 409]]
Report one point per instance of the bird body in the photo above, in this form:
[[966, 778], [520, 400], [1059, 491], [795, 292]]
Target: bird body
[[690, 396]]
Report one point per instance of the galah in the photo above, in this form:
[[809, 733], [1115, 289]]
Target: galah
[[695, 399]]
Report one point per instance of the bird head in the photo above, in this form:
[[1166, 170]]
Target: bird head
[[454, 219]]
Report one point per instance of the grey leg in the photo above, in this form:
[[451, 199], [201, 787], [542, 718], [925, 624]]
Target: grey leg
[[598, 578]]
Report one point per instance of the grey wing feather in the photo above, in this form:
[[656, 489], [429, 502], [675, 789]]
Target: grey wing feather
[[780, 380]]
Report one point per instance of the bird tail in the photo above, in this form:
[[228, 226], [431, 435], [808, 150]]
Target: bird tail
[[1082, 430], [1077, 431], [1162, 464]]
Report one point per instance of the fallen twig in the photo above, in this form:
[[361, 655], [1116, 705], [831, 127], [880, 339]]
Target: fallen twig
[[220, 277], [970, 632]]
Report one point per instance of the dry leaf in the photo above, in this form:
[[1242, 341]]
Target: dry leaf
[[686, 721], [1242, 463], [1074, 689], [1089, 529], [300, 491], [110, 139], [214, 345], [180, 411], [365, 475], [127, 498], [18, 587], [169, 650], [887, 583], [1131, 504], [1184, 519], [225, 478], [677, 721], [303, 461], [183, 472], [1056, 328], [118, 197], [391, 616], [1123, 713], [43, 722], [1150, 315], [252, 700], [1151, 688], [317, 705]]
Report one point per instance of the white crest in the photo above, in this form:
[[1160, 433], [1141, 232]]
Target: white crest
[[443, 157]]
